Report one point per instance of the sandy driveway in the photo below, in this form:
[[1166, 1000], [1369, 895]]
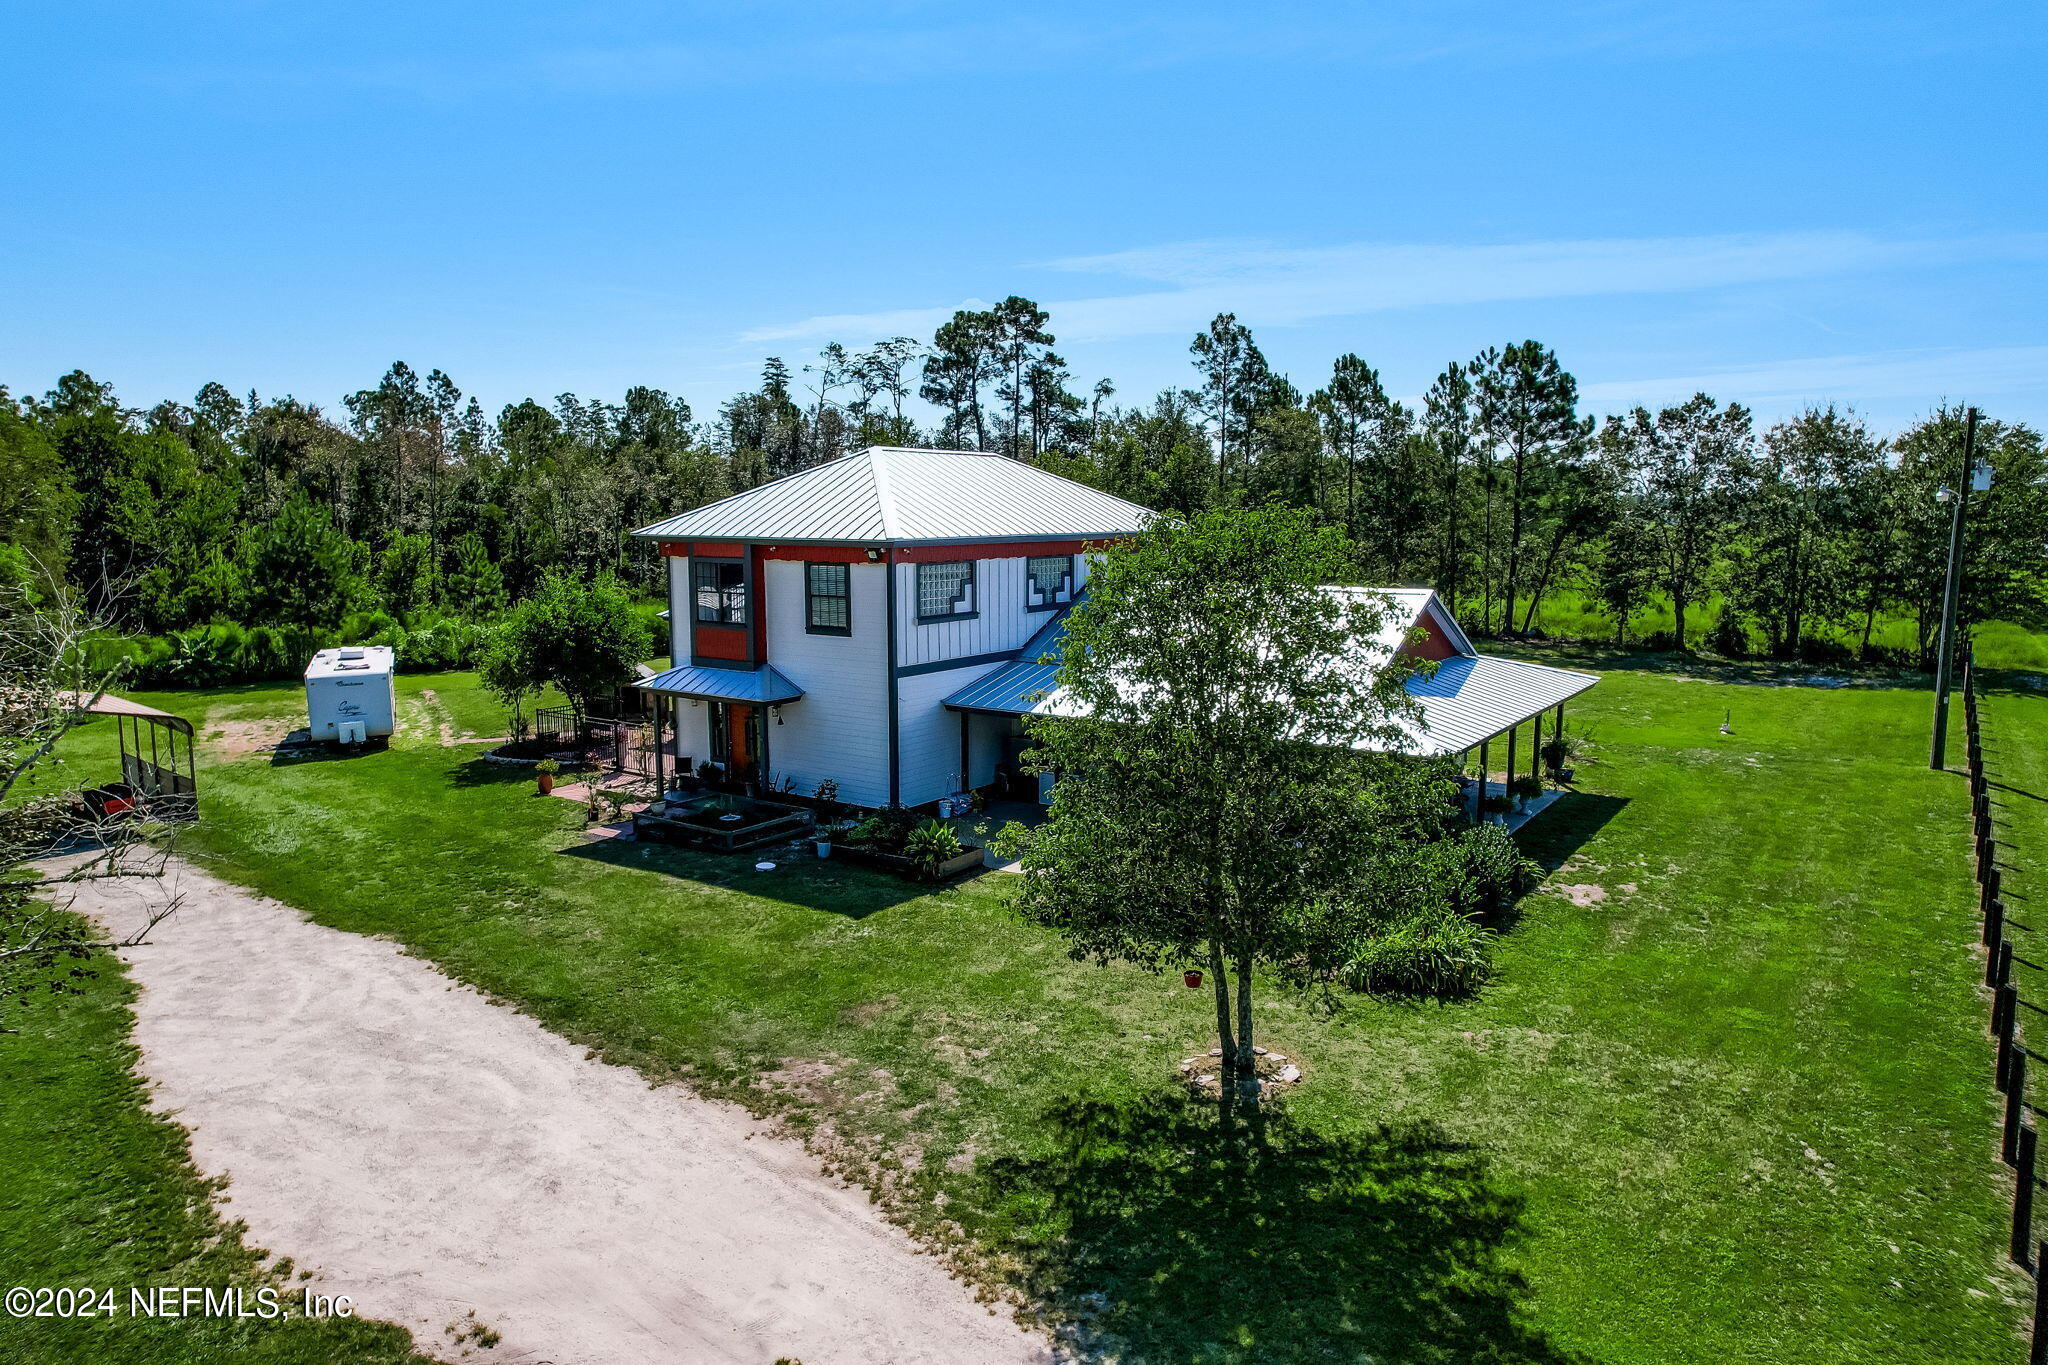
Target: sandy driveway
[[429, 1153]]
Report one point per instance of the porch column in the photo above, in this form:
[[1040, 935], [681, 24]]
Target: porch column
[[1482, 775], [1536, 746], [966, 756], [1513, 732], [660, 786]]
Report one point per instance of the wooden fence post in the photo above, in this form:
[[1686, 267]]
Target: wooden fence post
[[2004, 1004], [2038, 1353], [1998, 962], [2015, 1108], [2023, 1199]]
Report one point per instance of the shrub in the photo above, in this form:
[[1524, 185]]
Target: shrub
[[1439, 952], [931, 844], [1495, 872]]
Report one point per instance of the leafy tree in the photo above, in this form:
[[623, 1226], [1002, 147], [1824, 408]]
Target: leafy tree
[[476, 589], [300, 571], [578, 635], [405, 575], [1019, 345], [37, 502], [1211, 811], [1234, 379], [1688, 463], [1451, 421], [1529, 423], [962, 361]]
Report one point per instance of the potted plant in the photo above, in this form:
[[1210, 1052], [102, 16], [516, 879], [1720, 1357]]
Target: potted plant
[[1525, 789], [829, 812], [1558, 753], [544, 774], [1494, 808]]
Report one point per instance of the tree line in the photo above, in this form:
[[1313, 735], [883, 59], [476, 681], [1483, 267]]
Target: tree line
[[1494, 487]]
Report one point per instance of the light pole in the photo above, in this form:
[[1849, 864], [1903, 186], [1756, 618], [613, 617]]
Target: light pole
[[1952, 590]]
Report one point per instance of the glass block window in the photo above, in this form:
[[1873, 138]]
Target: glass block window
[[720, 586], [1048, 581], [945, 590], [828, 602]]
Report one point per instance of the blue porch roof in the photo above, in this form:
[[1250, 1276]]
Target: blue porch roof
[[762, 686]]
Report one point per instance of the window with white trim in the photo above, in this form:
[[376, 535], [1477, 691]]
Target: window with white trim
[[945, 592], [1048, 582], [828, 599], [720, 588]]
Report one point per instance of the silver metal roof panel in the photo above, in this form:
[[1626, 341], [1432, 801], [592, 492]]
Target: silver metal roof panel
[[893, 494]]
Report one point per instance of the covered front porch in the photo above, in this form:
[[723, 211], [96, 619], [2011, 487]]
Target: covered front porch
[[717, 716]]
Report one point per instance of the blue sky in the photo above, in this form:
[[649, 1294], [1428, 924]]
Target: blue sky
[[1779, 202]]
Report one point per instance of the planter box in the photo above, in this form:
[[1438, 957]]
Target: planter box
[[969, 856], [670, 824]]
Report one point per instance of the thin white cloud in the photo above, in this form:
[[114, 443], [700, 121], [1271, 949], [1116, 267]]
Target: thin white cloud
[[1276, 286], [1917, 376]]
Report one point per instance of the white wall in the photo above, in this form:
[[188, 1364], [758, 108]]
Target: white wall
[[840, 728], [929, 735], [679, 614], [1003, 625]]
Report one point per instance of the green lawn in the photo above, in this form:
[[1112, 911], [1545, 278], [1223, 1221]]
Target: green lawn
[[1727, 1099]]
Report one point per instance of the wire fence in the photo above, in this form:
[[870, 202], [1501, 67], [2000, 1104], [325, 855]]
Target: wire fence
[[2019, 1140]]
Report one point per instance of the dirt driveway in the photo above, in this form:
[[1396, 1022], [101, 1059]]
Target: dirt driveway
[[431, 1155]]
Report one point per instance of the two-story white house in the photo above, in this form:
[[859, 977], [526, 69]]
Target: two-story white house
[[819, 622], [880, 621]]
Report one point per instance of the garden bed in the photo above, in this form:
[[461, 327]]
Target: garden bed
[[722, 824], [907, 867]]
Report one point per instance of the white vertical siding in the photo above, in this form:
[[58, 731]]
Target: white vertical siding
[[840, 729], [693, 730], [929, 737], [1004, 623], [678, 612]]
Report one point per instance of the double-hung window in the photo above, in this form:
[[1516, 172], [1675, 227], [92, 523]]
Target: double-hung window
[[720, 588], [1048, 582], [828, 601], [945, 592]]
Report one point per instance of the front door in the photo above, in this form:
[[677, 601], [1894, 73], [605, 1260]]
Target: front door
[[739, 738]]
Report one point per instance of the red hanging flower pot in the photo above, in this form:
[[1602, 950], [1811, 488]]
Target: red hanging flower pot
[[1193, 979]]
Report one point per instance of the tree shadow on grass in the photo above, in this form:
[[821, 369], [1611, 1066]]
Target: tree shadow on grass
[[826, 885], [480, 772], [1168, 1228]]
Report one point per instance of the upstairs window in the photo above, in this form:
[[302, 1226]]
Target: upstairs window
[[1048, 582], [945, 592], [721, 591], [828, 603]]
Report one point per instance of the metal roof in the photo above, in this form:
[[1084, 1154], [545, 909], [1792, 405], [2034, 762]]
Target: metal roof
[[763, 686], [896, 495], [1463, 700], [1476, 696]]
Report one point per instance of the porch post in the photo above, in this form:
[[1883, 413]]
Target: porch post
[[1482, 775], [660, 787], [1536, 746], [1513, 732], [966, 756]]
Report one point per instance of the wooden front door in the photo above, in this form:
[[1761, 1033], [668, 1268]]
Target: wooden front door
[[739, 738]]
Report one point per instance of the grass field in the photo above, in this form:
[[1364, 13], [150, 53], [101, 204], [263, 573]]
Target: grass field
[[1726, 1101], [1576, 615]]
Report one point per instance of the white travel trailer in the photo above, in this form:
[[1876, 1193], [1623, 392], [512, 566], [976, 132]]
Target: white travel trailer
[[349, 694]]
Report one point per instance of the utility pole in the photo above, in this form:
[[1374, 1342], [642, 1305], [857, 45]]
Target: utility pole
[[1951, 593]]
